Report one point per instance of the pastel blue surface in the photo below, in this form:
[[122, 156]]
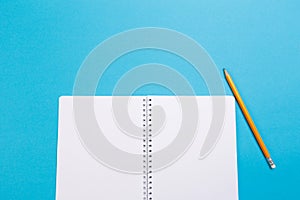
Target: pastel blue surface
[[43, 43]]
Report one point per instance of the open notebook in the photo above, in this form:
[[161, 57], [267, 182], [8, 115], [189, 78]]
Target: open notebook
[[146, 148]]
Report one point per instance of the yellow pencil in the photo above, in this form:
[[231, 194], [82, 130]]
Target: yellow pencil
[[249, 120]]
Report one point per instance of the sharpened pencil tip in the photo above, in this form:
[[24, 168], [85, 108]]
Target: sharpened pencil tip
[[225, 71]]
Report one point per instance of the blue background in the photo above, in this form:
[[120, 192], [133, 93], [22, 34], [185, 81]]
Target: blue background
[[43, 43]]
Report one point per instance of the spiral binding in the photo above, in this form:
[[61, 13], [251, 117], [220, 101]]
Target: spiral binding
[[147, 149]]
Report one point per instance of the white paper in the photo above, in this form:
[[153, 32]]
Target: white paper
[[80, 175]]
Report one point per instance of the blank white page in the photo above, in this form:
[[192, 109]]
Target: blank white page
[[80, 176], [214, 176]]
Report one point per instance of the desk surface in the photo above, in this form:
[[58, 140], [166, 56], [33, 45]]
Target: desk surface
[[44, 44]]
